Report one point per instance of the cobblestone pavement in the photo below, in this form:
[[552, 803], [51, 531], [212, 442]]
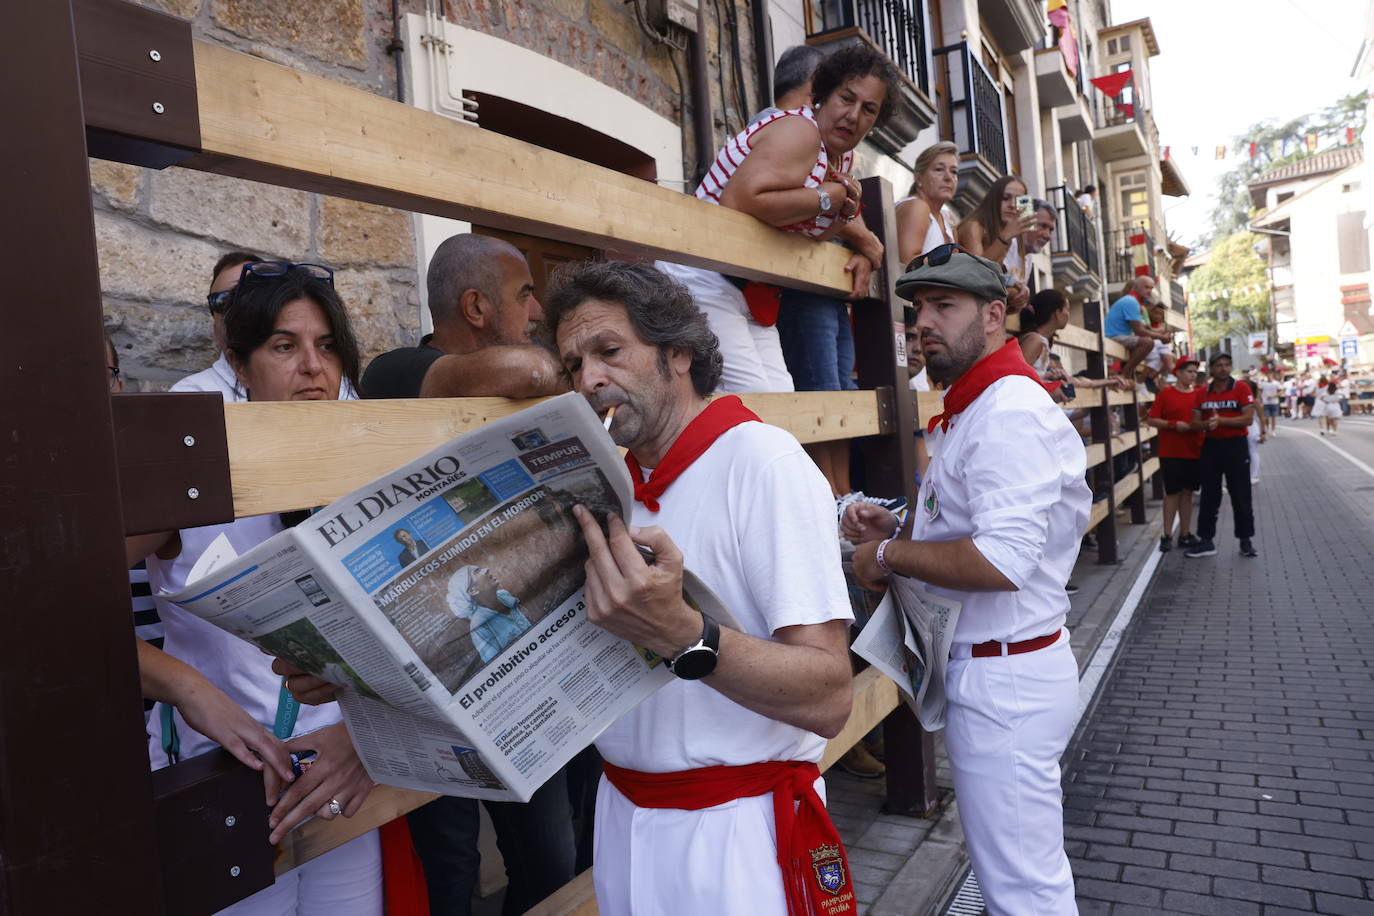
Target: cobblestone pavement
[[1229, 766]]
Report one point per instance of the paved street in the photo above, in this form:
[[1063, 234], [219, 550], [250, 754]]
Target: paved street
[[1229, 766]]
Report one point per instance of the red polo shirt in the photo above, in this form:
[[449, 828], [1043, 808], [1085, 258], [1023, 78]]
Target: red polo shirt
[[1172, 405], [1227, 402]]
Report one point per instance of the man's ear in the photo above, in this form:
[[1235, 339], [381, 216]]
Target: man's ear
[[679, 360], [995, 317], [474, 309]]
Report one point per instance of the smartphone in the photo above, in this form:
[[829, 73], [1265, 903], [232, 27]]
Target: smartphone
[[1025, 205]]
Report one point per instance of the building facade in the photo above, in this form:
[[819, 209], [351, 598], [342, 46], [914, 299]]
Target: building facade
[[649, 88], [1312, 214]]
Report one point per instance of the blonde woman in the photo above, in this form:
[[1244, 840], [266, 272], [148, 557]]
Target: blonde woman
[[921, 221]]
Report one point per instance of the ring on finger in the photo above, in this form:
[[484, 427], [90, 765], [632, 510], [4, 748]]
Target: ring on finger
[[334, 807]]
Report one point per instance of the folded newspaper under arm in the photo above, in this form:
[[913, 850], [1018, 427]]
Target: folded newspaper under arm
[[446, 599], [908, 638]]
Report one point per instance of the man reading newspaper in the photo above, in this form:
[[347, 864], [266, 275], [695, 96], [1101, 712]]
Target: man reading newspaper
[[996, 528], [701, 776]]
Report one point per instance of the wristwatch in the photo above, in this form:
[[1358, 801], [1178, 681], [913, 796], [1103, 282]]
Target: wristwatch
[[825, 201], [699, 659]]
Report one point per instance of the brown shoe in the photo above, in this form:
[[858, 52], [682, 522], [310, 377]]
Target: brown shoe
[[857, 761], [876, 746]]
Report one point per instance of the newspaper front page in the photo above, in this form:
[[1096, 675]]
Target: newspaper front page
[[446, 599]]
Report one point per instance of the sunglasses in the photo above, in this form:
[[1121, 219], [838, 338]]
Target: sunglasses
[[936, 256], [275, 270]]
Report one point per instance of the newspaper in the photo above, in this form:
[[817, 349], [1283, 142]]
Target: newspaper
[[446, 599], [908, 638]]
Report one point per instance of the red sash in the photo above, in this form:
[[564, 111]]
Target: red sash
[[722, 414], [999, 364], [815, 871]]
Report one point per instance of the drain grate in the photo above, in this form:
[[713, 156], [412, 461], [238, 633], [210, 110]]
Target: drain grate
[[969, 900]]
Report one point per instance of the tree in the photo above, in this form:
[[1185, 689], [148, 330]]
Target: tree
[[1276, 144], [1230, 293]]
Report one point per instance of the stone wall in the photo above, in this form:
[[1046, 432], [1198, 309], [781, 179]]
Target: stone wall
[[159, 233]]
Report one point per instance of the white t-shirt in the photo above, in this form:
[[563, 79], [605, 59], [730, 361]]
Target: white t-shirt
[[1308, 387], [755, 521], [1269, 391], [1343, 388], [1009, 473]]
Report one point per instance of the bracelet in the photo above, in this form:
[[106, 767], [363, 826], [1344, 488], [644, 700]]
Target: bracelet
[[881, 558], [1004, 241]]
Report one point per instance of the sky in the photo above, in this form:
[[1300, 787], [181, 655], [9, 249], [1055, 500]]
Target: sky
[[1226, 64]]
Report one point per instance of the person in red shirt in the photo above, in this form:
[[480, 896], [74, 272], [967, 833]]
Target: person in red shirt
[[1225, 408], [1180, 446]]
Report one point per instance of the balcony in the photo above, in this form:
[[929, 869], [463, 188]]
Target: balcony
[[1052, 81], [1120, 130], [1120, 256], [974, 121], [1015, 24], [896, 28], [1074, 248]]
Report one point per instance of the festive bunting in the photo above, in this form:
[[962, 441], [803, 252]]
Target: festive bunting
[[1140, 254], [1350, 135], [1254, 150], [1127, 110], [1311, 141], [1112, 84], [1221, 152], [1165, 155]]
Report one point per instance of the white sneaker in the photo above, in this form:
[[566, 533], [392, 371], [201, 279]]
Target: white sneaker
[[1254, 481]]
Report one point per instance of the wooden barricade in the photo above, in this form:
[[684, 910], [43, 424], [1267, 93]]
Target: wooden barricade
[[79, 474]]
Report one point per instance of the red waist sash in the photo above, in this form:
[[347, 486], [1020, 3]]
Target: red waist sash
[[815, 871]]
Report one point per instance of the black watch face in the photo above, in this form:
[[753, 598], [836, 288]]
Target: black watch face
[[694, 663]]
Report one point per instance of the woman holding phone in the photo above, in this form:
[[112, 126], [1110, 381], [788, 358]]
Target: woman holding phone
[[992, 231]]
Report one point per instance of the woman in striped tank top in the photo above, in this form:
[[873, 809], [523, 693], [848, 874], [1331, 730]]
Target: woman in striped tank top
[[790, 169]]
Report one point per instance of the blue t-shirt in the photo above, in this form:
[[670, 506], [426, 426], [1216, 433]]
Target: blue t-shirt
[[1121, 314]]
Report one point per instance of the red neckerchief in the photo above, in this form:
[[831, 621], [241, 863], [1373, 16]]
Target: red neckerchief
[[997, 365], [815, 871], [720, 415]]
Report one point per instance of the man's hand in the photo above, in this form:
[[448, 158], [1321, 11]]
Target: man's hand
[[1211, 423], [305, 687], [867, 522], [336, 774], [631, 599], [861, 269], [866, 568], [1018, 297], [1183, 426]]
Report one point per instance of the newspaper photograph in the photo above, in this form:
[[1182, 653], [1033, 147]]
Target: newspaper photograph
[[446, 600], [908, 638]]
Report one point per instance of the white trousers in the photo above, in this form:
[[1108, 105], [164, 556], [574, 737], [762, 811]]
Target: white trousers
[[346, 881], [1252, 439], [1008, 723], [751, 352], [721, 861]]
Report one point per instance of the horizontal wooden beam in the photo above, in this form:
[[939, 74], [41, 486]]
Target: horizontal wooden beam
[[874, 697], [1150, 468], [1125, 487], [1097, 453], [266, 122], [318, 836], [1113, 349], [1098, 514], [1078, 338], [287, 455]]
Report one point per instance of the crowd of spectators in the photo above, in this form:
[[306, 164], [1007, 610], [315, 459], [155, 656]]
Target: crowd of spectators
[[282, 332]]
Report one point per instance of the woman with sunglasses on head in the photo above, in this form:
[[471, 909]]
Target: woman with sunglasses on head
[[921, 221], [288, 338]]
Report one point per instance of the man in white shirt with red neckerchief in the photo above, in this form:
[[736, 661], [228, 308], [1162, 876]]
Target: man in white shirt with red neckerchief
[[701, 776], [996, 527]]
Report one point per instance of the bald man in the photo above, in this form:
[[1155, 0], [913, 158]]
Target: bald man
[[481, 299]]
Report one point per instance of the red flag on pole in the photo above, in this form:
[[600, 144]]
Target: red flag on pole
[[1165, 154], [1254, 150], [1112, 84], [1350, 135]]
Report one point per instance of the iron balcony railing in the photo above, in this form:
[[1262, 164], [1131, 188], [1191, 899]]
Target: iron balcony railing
[[895, 26], [1121, 254], [975, 106], [1073, 231]]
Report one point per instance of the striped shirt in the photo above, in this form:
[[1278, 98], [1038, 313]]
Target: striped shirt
[[734, 152]]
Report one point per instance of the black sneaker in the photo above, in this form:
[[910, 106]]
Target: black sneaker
[[1070, 588], [1166, 543], [1247, 548], [1188, 540], [1201, 549]]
